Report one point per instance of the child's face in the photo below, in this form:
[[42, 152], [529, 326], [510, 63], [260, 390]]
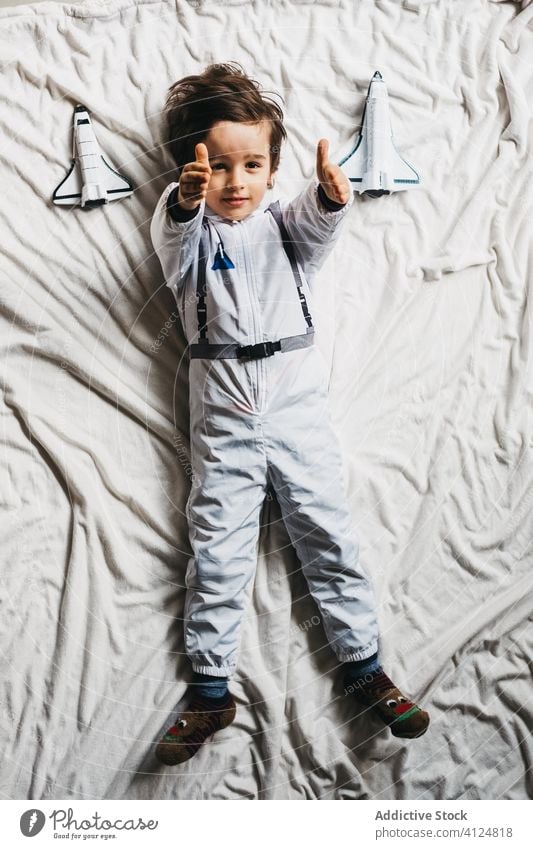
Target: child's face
[[239, 157]]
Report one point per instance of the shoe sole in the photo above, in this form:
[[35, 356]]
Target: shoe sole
[[412, 736]]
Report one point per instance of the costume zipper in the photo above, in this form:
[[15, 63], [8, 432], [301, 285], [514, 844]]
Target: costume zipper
[[255, 365]]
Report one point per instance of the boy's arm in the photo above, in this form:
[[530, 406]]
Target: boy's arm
[[314, 223], [175, 234], [315, 217]]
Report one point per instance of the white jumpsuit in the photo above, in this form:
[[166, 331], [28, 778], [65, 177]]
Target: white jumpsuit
[[261, 422]]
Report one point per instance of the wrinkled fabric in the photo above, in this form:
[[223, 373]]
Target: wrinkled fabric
[[423, 315], [261, 423]]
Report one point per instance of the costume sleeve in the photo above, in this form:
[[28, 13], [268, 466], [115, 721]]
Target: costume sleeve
[[314, 228], [175, 235]]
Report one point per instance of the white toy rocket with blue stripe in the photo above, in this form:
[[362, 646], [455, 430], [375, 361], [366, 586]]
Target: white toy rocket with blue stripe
[[374, 166], [91, 181]]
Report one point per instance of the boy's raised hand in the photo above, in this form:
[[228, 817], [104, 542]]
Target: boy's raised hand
[[194, 179], [332, 179]]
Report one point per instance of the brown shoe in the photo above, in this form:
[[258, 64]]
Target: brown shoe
[[191, 729], [388, 703]]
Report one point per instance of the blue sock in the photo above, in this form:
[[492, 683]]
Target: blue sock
[[357, 669], [210, 687]]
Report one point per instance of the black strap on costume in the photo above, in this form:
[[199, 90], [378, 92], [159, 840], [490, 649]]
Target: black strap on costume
[[275, 210], [258, 350], [201, 288]]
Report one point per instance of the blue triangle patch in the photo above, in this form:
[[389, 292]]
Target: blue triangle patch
[[222, 260]]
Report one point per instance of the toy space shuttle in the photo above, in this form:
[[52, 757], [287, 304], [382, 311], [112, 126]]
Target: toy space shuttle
[[374, 166], [91, 180]]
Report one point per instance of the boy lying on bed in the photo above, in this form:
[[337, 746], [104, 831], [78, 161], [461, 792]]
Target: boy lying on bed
[[240, 268]]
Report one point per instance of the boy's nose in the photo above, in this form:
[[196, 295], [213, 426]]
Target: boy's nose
[[235, 179]]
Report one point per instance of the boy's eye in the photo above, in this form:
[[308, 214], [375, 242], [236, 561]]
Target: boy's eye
[[220, 166]]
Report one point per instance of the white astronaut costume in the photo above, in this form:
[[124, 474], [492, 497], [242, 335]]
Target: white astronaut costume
[[259, 417]]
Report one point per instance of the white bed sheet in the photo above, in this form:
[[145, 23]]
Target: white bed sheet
[[424, 314]]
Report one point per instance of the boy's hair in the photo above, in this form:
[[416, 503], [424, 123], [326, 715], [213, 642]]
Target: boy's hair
[[220, 93]]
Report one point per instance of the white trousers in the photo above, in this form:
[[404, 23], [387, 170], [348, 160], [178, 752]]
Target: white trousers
[[255, 423]]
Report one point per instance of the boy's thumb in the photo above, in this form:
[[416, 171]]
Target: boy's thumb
[[322, 153], [201, 153]]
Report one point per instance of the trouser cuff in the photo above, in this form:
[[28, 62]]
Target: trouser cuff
[[347, 655], [215, 671]]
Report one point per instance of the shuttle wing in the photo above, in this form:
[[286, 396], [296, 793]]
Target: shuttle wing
[[69, 191], [355, 162]]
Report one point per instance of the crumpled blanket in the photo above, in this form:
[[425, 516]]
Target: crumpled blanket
[[423, 313]]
